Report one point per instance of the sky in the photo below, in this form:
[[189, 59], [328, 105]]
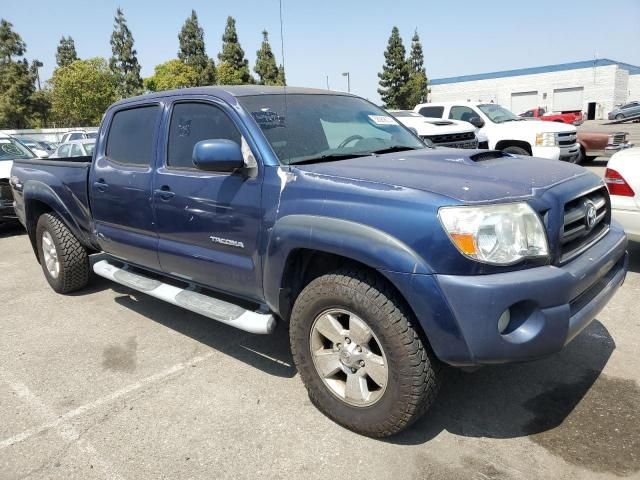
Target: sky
[[330, 37]]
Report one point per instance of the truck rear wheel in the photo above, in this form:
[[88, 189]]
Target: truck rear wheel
[[64, 260], [359, 354]]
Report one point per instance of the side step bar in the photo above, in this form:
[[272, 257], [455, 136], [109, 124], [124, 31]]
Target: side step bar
[[216, 309]]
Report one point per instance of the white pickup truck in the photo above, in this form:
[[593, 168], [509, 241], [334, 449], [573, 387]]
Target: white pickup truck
[[441, 133], [508, 132]]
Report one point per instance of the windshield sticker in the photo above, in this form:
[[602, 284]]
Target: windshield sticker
[[382, 120], [10, 149], [267, 119]]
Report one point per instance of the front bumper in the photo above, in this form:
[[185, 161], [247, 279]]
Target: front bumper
[[549, 305], [630, 221]]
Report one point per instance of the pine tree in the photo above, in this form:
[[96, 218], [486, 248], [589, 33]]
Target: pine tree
[[124, 63], [232, 55], [395, 73], [418, 84], [66, 53], [282, 80], [16, 80], [192, 50], [266, 67]]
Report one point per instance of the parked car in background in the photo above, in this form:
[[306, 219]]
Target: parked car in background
[[384, 258], [441, 133], [76, 148], [10, 149], [623, 181], [508, 132], [599, 144], [77, 135], [630, 109], [539, 113], [40, 150]]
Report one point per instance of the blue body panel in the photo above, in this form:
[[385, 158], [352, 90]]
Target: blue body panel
[[235, 232]]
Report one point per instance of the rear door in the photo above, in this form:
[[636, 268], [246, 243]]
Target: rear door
[[208, 223], [120, 185]]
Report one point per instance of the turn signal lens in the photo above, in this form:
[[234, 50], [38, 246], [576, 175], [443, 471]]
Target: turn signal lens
[[464, 242]]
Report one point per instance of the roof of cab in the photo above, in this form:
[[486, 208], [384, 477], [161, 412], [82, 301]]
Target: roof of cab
[[225, 91]]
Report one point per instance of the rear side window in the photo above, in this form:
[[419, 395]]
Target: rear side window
[[191, 123], [131, 135], [432, 112]]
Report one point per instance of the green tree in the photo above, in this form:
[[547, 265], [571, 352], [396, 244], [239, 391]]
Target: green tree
[[192, 50], [395, 73], [82, 91], [40, 109], [16, 79], [266, 67], [418, 84], [170, 75], [124, 62], [66, 53], [11, 44], [227, 75], [282, 80], [232, 57]]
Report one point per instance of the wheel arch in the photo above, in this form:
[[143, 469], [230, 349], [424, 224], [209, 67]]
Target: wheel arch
[[502, 144]]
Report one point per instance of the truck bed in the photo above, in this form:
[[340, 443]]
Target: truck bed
[[61, 182]]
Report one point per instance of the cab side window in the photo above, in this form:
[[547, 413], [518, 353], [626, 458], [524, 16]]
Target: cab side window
[[131, 135], [462, 113], [191, 123]]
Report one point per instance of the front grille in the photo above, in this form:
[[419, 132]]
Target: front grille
[[619, 138], [566, 139], [5, 191], [576, 234], [454, 140]]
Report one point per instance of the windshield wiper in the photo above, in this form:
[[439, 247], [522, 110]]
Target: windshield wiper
[[328, 157], [394, 148]]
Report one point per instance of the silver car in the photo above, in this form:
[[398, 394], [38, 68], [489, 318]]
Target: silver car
[[631, 109], [75, 148]]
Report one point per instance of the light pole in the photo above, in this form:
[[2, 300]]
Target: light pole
[[328, 83], [346, 74]]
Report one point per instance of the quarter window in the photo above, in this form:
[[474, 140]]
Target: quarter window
[[192, 123], [131, 135]]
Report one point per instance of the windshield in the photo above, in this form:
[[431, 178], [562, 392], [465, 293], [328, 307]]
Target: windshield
[[10, 149], [498, 114], [316, 127]]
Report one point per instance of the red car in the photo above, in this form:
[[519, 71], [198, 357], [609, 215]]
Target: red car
[[572, 118]]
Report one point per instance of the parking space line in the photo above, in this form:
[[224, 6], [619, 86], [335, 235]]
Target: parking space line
[[60, 422]]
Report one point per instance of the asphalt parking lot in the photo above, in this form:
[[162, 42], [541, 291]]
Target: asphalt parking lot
[[109, 383]]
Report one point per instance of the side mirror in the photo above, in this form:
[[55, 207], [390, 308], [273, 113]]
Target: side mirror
[[476, 122], [219, 155]]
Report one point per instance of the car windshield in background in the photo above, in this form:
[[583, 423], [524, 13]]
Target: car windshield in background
[[92, 135], [317, 127], [10, 149], [498, 114]]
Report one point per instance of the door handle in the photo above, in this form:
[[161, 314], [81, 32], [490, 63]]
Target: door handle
[[164, 192], [100, 185]]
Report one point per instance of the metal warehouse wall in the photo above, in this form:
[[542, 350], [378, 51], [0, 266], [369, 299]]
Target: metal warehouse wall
[[634, 87], [605, 85]]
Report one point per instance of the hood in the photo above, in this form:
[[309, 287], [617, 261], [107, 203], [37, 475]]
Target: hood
[[436, 126], [538, 126], [464, 175], [5, 168]]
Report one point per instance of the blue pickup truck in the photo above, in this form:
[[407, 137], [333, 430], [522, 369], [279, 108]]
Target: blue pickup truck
[[386, 258]]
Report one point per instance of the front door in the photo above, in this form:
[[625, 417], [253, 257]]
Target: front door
[[208, 223], [120, 186]]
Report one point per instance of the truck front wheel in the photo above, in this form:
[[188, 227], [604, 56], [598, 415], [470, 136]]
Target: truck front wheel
[[359, 354], [64, 260]]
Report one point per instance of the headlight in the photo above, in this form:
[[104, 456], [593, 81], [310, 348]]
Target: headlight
[[547, 139], [496, 234]]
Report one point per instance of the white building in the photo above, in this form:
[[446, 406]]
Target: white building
[[593, 86]]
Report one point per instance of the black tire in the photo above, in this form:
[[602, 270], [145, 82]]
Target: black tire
[[414, 372], [516, 151], [619, 116], [72, 256]]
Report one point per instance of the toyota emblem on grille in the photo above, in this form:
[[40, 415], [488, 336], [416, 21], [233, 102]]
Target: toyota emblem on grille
[[590, 214]]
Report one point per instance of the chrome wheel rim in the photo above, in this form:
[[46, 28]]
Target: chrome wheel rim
[[349, 357], [50, 254]]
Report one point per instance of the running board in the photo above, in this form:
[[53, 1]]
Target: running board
[[214, 308]]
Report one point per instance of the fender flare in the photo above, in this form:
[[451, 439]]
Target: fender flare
[[362, 243]]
